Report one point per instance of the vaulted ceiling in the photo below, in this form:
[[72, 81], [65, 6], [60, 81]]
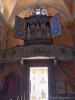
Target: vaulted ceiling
[[23, 8]]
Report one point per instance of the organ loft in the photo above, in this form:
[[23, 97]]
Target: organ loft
[[34, 29]]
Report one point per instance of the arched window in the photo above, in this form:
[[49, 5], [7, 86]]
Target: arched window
[[40, 11]]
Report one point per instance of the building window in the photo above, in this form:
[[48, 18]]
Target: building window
[[40, 11]]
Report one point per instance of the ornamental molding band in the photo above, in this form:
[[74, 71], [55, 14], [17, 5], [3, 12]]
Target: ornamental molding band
[[17, 53]]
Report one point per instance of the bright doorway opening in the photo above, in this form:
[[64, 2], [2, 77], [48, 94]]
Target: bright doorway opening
[[38, 83]]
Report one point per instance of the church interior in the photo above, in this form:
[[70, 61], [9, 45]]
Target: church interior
[[37, 49]]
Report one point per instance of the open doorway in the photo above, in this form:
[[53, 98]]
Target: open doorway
[[38, 83]]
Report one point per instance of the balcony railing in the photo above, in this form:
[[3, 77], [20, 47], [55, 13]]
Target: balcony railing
[[38, 41], [16, 53], [23, 98]]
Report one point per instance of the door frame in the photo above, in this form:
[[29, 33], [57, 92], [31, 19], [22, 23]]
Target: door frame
[[37, 63]]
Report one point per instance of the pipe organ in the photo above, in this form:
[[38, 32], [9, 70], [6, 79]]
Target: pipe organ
[[34, 29]]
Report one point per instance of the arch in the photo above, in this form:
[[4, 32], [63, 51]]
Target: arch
[[46, 5]]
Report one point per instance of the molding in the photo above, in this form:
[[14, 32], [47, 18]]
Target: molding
[[17, 53]]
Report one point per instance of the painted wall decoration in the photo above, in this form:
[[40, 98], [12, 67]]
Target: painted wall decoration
[[55, 23], [10, 76], [11, 85]]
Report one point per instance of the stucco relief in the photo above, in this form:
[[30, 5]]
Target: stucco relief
[[17, 53]]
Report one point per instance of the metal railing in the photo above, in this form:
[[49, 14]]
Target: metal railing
[[22, 97]]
